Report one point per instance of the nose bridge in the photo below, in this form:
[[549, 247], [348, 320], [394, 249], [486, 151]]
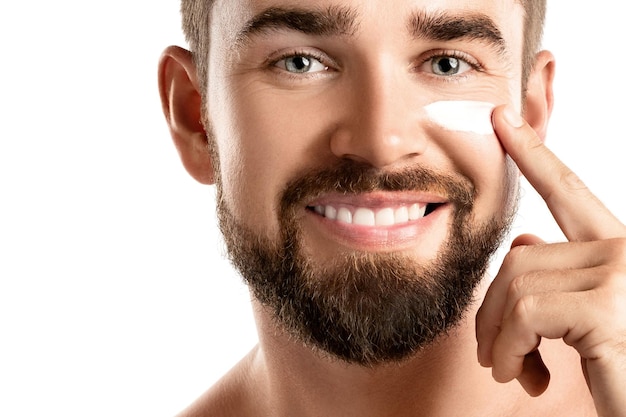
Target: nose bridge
[[382, 128]]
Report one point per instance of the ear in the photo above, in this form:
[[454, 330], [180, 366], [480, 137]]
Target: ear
[[182, 107], [539, 95]]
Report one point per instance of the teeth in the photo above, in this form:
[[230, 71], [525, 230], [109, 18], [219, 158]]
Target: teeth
[[402, 215], [344, 215], [385, 217], [330, 212], [364, 217], [367, 217], [416, 211]]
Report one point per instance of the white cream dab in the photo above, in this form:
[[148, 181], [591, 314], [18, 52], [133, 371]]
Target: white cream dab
[[462, 116]]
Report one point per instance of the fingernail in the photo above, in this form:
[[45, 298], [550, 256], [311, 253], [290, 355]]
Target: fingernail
[[512, 117]]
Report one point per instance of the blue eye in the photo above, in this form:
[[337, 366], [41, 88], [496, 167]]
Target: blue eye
[[301, 64]]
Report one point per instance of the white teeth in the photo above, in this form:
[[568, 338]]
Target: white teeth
[[330, 212], [402, 215], [364, 217], [385, 217], [416, 212], [344, 215], [367, 217]]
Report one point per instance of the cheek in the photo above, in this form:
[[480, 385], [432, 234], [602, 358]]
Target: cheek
[[265, 140], [465, 132], [511, 185], [481, 158], [495, 176]]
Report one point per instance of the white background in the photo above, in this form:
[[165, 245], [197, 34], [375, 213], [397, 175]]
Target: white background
[[115, 299]]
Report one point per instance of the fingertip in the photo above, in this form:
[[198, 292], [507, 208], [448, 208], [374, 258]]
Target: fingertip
[[505, 116], [484, 350], [485, 362], [485, 337], [526, 240], [512, 117], [535, 376], [499, 376]]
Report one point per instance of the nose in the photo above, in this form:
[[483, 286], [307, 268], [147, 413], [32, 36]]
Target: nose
[[381, 122]]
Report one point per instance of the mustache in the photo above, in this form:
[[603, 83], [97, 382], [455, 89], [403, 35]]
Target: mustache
[[352, 177]]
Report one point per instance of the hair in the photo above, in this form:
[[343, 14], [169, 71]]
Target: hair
[[533, 32], [196, 21]]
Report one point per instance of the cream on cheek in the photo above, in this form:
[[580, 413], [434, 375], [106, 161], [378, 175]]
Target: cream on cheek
[[470, 123], [462, 116]]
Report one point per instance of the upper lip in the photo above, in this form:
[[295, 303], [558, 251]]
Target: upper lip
[[380, 199]]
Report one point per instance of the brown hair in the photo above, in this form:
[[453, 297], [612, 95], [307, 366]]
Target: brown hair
[[533, 32], [196, 18]]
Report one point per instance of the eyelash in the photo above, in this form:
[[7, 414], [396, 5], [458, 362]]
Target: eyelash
[[471, 61], [273, 60], [322, 58]]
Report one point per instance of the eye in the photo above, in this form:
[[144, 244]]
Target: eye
[[448, 65], [301, 64]]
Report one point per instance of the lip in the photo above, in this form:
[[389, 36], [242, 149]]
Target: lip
[[379, 199], [375, 238]]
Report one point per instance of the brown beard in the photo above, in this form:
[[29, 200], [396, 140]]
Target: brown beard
[[365, 308]]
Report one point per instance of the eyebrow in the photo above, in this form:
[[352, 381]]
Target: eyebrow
[[332, 21], [448, 27], [342, 21]]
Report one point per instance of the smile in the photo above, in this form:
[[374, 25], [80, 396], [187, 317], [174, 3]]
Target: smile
[[380, 221], [374, 217]]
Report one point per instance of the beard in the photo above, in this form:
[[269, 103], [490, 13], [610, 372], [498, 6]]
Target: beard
[[365, 308]]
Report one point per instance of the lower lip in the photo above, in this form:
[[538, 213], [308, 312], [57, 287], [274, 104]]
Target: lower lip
[[382, 239]]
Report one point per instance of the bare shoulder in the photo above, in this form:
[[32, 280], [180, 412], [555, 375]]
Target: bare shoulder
[[231, 396]]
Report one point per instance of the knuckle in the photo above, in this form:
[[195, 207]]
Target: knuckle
[[572, 182], [514, 257], [536, 145], [523, 308], [517, 287], [568, 185]]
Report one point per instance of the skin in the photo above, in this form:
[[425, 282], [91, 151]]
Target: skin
[[270, 126]]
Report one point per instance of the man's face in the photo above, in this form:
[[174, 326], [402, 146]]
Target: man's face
[[345, 208]]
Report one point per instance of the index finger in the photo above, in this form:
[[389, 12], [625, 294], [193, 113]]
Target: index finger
[[578, 212]]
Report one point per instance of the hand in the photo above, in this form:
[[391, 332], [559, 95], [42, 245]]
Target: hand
[[574, 290]]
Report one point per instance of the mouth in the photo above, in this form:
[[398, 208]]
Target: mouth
[[380, 222], [385, 216]]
